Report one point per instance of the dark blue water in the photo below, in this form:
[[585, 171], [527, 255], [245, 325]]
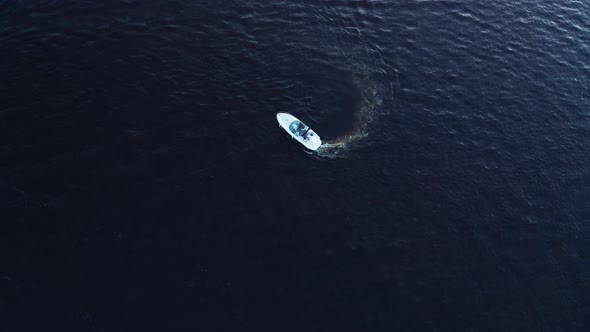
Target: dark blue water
[[145, 185]]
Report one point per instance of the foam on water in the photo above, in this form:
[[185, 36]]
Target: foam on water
[[364, 118]]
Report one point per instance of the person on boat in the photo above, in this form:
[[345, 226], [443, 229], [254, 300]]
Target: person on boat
[[301, 129]]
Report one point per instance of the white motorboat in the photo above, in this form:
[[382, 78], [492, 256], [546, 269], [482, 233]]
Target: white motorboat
[[299, 131]]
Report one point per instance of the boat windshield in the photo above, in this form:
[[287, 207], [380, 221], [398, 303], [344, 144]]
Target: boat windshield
[[298, 128]]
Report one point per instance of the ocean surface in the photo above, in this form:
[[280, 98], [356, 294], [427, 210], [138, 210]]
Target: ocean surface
[[146, 186]]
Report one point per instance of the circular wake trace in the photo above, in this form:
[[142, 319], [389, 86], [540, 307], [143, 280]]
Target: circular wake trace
[[369, 107]]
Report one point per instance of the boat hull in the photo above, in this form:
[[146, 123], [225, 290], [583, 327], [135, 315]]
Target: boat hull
[[310, 139]]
